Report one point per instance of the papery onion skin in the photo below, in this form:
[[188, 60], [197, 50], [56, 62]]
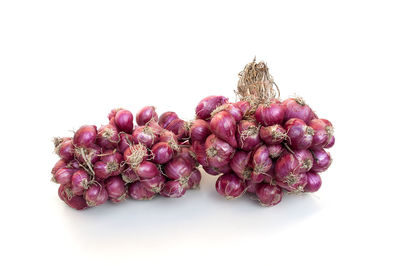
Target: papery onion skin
[[270, 114], [145, 135], [271, 135], [162, 153], [100, 170], [88, 154], [194, 179], [199, 150], [240, 164], [269, 195], [323, 133], [230, 186], [314, 182], [247, 135], [124, 121], [251, 186], [297, 108], [173, 189], [85, 136], [275, 151], [208, 105], [64, 175], [166, 118], [330, 143], [179, 127], [115, 187], [244, 107], [199, 130], [73, 201], [287, 167], [58, 165], [129, 175], [79, 182], [261, 162], [295, 183], [218, 151], [66, 150], [138, 191], [154, 184], [126, 140], [107, 137], [114, 160], [322, 160], [95, 195], [305, 159], [223, 125], [178, 168], [146, 114], [300, 136], [147, 170]]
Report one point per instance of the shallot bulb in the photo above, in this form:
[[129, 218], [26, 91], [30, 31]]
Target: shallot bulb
[[305, 159], [95, 195], [240, 164], [113, 161], [87, 155], [218, 151], [295, 183], [108, 137], [146, 114], [323, 133], [247, 135], [194, 179], [270, 114], [261, 162], [79, 182], [173, 189], [154, 184], [135, 154], [208, 105], [178, 168], [287, 169], [73, 201], [64, 175], [244, 106], [166, 118], [322, 160], [199, 130], [314, 182], [138, 191], [297, 108], [59, 164], [300, 136], [179, 127], [124, 121], [129, 175], [126, 140], [275, 150], [230, 186], [269, 195], [116, 190], [162, 152], [146, 170], [145, 135], [223, 125], [65, 150], [85, 136], [271, 135]]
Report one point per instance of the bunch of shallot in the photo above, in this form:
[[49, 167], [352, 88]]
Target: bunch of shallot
[[121, 160], [260, 144]]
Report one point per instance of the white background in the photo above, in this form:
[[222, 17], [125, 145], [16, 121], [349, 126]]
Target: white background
[[67, 63]]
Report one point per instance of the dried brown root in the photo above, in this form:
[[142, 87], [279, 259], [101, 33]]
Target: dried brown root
[[139, 151]]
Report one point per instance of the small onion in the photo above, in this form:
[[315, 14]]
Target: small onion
[[108, 137], [218, 151], [251, 186], [179, 127], [145, 135], [95, 195], [64, 175], [269, 195], [261, 162], [208, 105], [178, 168], [173, 189], [124, 121], [194, 179], [113, 160], [116, 188], [287, 168], [129, 175], [73, 201], [199, 150], [322, 160], [88, 154], [138, 191], [79, 182], [101, 171], [297, 108], [275, 134], [85, 136], [247, 135], [166, 118], [300, 136], [199, 130], [305, 159], [270, 114], [59, 164], [146, 114], [65, 150], [295, 183], [240, 164], [230, 186], [330, 143], [323, 133], [314, 182], [162, 153], [244, 106], [126, 140], [154, 184], [223, 125], [275, 151], [147, 170]]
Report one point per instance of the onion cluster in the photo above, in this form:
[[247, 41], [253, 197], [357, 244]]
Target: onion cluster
[[121, 160], [260, 144]]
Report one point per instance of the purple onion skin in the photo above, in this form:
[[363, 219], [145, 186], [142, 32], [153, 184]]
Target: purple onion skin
[[323, 133], [178, 168], [269, 195], [147, 170], [295, 183], [115, 187], [95, 195], [113, 159], [75, 202], [322, 160], [125, 141], [79, 182], [223, 125], [240, 163], [230, 186], [257, 177], [234, 111], [108, 137], [271, 135], [208, 105], [250, 139], [199, 150], [124, 121], [218, 151], [270, 114], [145, 135], [188, 155], [251, 186], [138, 191], [162, 153], [129, 175], [66, 150], [244, 106], [178, 127], [154, 184], [330, 143], [146, 114], [199, 130], [85, 136], [194, 179], [275, 151], [314, 182], [305, 159], [300, 136], [64, 175], [261, 162], [166, 118], [100, 170], [217, 170], [287, 167], [296, 108], [58, 165], [173, 189], [91, 153]]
